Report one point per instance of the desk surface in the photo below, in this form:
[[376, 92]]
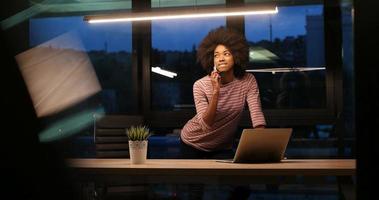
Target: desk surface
[[289, 167]]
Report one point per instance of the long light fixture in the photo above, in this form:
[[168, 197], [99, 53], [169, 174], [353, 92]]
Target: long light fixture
[[163, 72], [286, 69], [180, 13]]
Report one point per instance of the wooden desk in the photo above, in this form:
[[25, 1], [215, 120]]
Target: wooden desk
[[209, 171], [179, 167]]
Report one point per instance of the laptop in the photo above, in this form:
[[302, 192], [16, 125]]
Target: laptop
[[266, 145]]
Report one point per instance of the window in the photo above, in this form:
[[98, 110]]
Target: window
[[105, 48], [348, 68], [287, 57], [108, 46], [174, 45]]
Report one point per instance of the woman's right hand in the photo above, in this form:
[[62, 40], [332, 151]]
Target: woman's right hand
[[216, 82], [210, 113]]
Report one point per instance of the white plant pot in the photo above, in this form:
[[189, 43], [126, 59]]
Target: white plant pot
[[138, 151]]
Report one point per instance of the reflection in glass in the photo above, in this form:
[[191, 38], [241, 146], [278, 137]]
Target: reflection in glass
[[108, 47], [287, 57], [58, 74], [174, 44], [348, 68]]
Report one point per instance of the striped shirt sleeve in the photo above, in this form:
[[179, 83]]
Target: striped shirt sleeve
[[201, 103], [254, 103]]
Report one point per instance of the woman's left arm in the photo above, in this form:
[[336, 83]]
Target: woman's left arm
[[254, 103]]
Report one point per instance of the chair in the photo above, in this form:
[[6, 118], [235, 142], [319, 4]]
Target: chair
[[111, 142], [110, 137]]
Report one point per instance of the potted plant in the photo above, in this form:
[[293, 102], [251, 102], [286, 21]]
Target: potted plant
[[137, 137]]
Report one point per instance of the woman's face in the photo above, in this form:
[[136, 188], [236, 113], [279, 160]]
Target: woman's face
[[223, 58]]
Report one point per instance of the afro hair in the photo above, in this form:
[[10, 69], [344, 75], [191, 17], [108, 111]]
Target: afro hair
[[230, 38]]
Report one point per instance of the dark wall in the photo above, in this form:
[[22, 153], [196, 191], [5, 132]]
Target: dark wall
[[29, 169], [366, 39]]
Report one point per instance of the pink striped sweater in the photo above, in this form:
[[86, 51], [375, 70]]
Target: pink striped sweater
[[232, 99]]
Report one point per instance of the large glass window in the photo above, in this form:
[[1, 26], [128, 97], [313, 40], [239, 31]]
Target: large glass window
[[287, 57], [108, 47], [174, 46], [348, 68], [77, 57]]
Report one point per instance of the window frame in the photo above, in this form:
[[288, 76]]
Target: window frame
[[141, 50], [274, 117]]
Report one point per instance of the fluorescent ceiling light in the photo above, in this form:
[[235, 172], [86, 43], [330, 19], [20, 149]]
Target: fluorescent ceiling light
[[286, 69], [180, 13], [163, 72]]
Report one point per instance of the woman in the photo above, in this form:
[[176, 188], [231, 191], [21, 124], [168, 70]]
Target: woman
[[220, 97]]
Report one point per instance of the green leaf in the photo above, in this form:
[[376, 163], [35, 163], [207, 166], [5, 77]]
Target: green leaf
[[138, 133]]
